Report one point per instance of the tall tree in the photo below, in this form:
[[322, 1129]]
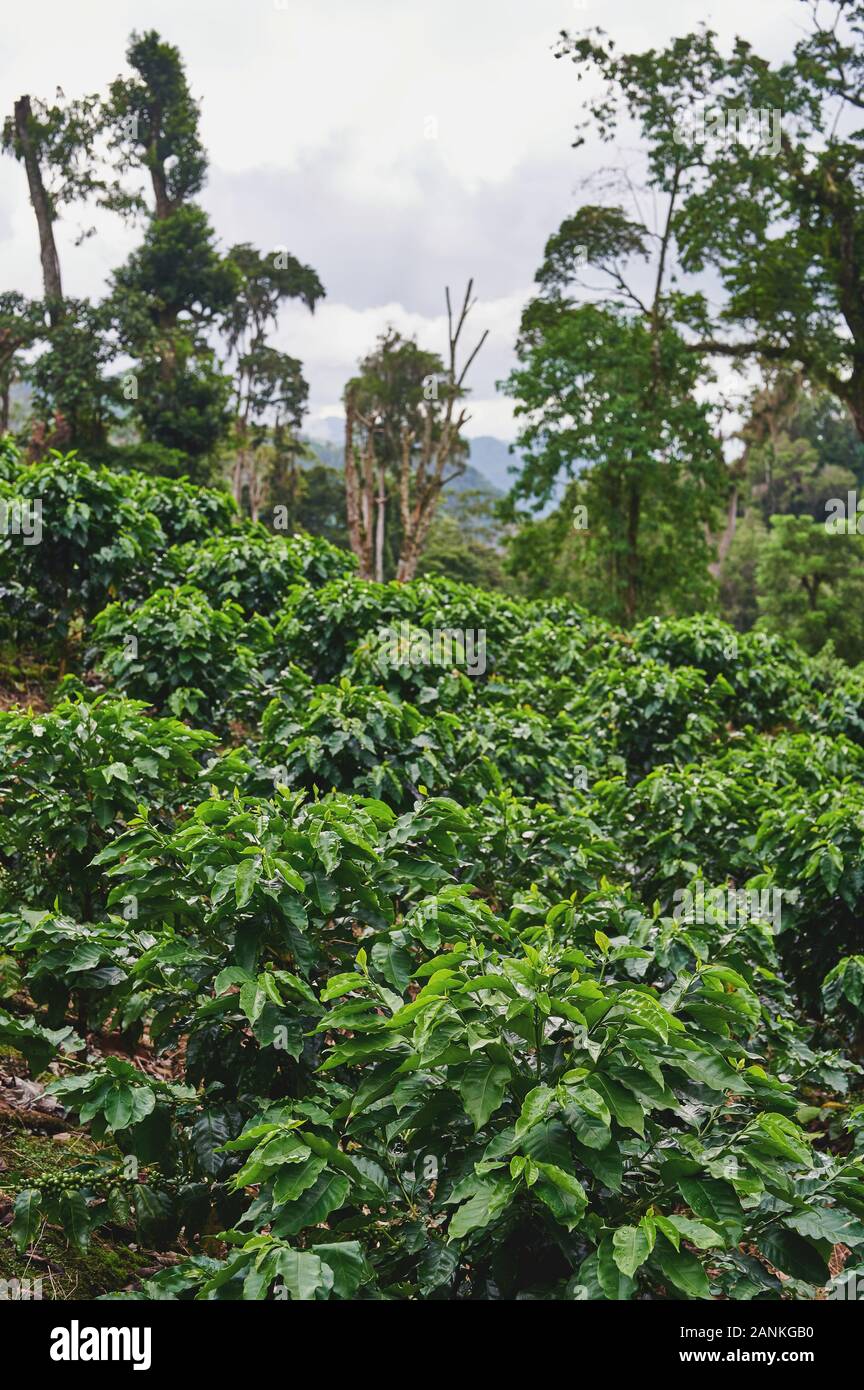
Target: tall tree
[[403, 430], [763, 165], [270, 392], [607, 388], [434, 444], [170, 292], [58, 145], [272, 395], [381, 403], [153, 120], [55, 143], [24, 139], [176, 284]]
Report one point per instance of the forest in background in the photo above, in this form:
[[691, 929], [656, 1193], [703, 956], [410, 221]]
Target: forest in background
[[748, 399]]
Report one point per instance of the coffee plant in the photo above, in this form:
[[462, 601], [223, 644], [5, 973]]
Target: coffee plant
[[381, 967]]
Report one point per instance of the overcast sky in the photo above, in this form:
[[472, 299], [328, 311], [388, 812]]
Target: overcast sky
[[395, 145]]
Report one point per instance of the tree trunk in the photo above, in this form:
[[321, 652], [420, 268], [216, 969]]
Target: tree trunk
[[727, 537], [416, 529], [42, 208], [427, 476], [854, 399], [412, 549], [160, 193], [237, 475], [428, 484], [163, 207], [352, 511], [256, 493], [356, 505], [381, 503], [367, 506], [409, 551], [631, 601]]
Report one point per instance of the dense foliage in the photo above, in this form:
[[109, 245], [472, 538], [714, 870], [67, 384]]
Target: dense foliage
[[543, 981]]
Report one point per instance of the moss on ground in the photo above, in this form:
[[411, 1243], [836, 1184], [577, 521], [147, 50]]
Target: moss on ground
[[66, 1271]]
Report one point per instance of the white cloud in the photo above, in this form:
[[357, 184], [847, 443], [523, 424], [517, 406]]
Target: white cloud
[[316, 118], [331, 341]]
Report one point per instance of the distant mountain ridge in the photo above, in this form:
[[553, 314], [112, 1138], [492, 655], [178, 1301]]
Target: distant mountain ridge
[[494, 458], [488, 464], [487, 471]]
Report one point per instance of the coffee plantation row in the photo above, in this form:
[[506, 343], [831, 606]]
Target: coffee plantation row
[[544, 981]]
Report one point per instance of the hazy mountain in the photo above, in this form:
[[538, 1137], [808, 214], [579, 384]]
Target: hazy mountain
[[486, 472], [328, 431], [472, 480], [325, 451], [493, 458], [488, 463]]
